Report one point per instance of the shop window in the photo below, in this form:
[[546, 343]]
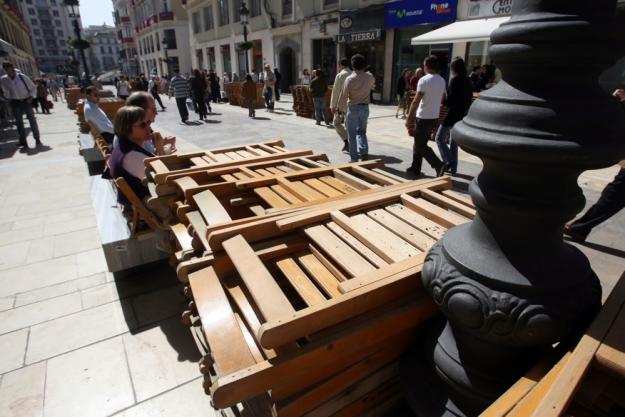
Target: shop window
[[287, 8], [225, 58], [236, 7], [208, 17], [477, 54], [170, 37], [254, 8], [324, 57], [210, 53]]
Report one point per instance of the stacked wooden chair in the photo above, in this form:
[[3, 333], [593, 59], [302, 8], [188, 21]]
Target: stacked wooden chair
[[109, 106]]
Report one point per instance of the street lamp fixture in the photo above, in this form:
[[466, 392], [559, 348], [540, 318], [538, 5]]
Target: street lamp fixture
[[73, 11], [244, 13]]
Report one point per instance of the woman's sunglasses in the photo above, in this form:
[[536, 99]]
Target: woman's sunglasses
[[143, 125]]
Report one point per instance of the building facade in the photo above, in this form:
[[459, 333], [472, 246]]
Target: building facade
[[124, 27], [50, 30], [15, 43], [104, 51], [162, 36]]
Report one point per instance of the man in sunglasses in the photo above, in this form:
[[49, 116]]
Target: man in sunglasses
[[20, 90]]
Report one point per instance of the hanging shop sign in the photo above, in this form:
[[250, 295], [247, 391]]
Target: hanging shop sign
[[471, 9], [407, 13]]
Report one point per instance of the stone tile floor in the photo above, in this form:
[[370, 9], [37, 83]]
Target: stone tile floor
[[76, 340]]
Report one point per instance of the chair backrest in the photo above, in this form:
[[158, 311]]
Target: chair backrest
[[144, 213]]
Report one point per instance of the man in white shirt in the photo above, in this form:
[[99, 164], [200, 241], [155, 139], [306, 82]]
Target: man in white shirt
[[94, 114], [268, 78], [426, 105], [339, 113], [20, 90]]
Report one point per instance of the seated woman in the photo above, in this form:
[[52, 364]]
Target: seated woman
[[132, 127]]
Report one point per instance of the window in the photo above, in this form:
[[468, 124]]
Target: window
[[236, 8], [36, 31], [110, 50], [55, 13], [57, 22], [39, 42], [224, 17], [165, 6], [42, 52], [31, 11], [197, 24], [29, 1], [60, 33], [208, 17], [254, 8], [210, 52], [33, 21], [158, 42], [225, 57], [287, 8], [61, 42], [170, 37], [102, 50], [330, 3]]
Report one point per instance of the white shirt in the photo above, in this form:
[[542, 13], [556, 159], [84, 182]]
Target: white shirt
[[94, 114], [433, 88], [133, 163], [19, 88], [122, 88]]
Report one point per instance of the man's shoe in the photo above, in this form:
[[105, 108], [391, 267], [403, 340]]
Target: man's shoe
[[22, 145], [441, 170], [38, 143], [364, 157], [573, 234], [413, 170], [345, 148], [318, 124]]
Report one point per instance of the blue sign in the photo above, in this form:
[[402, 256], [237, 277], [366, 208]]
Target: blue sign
[[405, 13]]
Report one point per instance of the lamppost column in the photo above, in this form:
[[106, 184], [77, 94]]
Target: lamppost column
[[507, 284], [247, 62]]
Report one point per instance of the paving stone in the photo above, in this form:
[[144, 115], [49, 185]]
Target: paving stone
[[187, 400], [6, 303], [40, 249], [57, 228], [91, 262], [161, 358], [6, 226], [76, 242], [77, 330], [13, 347], [22, 392], [101, 294], [31, 314], [37, 275], [89, 382], [13, 255], [21, 235], [60, 289]]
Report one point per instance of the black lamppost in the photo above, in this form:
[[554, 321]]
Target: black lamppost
[[165, 48], [508, 285], [244, 13], [73, 64], [74, 13]]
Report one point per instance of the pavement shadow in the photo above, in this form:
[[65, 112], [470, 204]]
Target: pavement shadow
[[193, 123], [601, 248], [386, 158], [151, 296], [283, 109], [260, 118], [211, 121], [210, 113], [283, 113]]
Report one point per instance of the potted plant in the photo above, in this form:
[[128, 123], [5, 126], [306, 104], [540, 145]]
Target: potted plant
[[244, 46]]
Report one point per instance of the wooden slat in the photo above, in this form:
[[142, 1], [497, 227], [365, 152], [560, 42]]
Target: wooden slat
[[460, 198], [182, 236], [449, 203], [348, 259], [158, 166], [330, 266], [274, 171], [185, 183], [282, 192], [338, 184], [248, 172], [376, 237], [271, 198], [228, 177], [245, 154], [199, 226], [300, 281], [294, 165], [256, 151], [222, 157], [241, 175], [427, 226], [300, 190], [263, 172], [378, 178], [322, 187], [210, 207], [357, 245], [353, 181], [388, 174], [244, 200], [267, 148], [263, 288], [324, 278], [417, 238], [227, 344], [233, 155], [199, 162], [432, 211]]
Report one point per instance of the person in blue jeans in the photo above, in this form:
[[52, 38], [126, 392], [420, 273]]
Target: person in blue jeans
[[458, 101], [355, 95]]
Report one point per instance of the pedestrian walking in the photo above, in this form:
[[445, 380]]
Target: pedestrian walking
[[402, 83], [318, 89], [20, 90], [426, 106], [198, 87], [414, 80], [153, 89], [458, 100], [249, 95], [123, 88], [42, 96], [305, 77], [268, 79], [369, 70], [339, 112], [355, 96], [276, 72], [179, 88], [213, 79]]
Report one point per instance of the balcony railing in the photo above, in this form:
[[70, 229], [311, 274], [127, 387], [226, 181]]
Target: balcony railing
[[166, 16], [125, 19]]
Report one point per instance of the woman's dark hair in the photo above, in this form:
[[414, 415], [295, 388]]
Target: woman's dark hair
[[458, 66], [248, 77], [196, 73], [358, 62], [125, 118]]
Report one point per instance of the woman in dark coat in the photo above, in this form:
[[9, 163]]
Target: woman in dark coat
[[198, 87], [458, 101], [213, 79]]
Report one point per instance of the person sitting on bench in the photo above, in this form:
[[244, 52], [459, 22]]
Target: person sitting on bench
[[132, 127], [157, 144], [94, 114]]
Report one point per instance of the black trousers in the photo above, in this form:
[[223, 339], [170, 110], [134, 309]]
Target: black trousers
[[612, 201], [181, 102], [421, 149], [200, 106], [158, 99]]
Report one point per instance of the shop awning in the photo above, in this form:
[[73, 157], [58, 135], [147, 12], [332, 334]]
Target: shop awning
[[461, 31], [6, 48]]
